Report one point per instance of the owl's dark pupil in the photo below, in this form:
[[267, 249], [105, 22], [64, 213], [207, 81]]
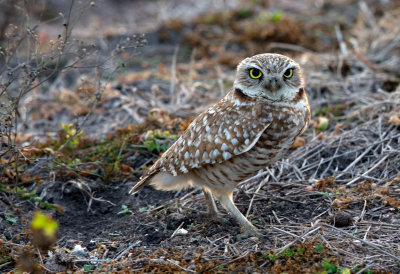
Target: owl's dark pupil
[[255, 73], [287, 72]]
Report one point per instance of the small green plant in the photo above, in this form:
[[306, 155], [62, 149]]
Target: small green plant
[[288, 253], [331, 268], [300, 250], [22, 192], [159, 134], [87, 268], [272, 257], [157, 140], [336, 110], [145, 209], [9, 218], [326, 194], [319, 248], [193, 226], [71, 134], [177, 205], [5, 259], [257, 221], [125, 210], [244, 13], [276, 16], [156, 146]]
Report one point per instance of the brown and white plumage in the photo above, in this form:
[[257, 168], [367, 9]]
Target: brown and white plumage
[[247, 130]]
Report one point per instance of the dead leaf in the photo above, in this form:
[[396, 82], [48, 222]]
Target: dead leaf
[[309, 188], [337, 129], [321, 184], [364, 186], [125, 168], [30, 151], [23, 138], [298, 142], [394, 120], [395, 180], [343, 202], [392, 201]]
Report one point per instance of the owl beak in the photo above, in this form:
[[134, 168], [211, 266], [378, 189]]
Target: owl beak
[[272, 85]]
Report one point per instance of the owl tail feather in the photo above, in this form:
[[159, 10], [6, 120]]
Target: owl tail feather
[[144, 181], [136, 188]]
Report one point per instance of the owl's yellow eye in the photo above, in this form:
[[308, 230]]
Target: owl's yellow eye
[[288, 73], [255, 73]]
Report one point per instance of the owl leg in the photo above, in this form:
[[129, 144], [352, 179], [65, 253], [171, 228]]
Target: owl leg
[[247, 228], [212, 207]]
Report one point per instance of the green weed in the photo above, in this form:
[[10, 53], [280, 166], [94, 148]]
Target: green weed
[[125, 210], [71, 134], [22, 192], [276, 16], [319, 248]]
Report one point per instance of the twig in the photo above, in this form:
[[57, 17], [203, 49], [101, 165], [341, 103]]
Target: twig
[[5, 264], [176, 230], [363, 270], [252, 198], [339, 38], [362, 241], [135, 244], [355, 161], [231, 261], [292, 47], [366, 61], [173, 76], [366, 12], [369, 170], [363, 210], [185, 269]]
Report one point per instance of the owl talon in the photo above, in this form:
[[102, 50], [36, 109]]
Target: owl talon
[[215, 217], [250, 233]]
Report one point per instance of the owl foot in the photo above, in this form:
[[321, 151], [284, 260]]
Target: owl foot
[[261, 234], [249, 233], [215, 217]]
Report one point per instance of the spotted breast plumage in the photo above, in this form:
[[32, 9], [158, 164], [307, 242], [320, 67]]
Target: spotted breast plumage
[[247, 130]]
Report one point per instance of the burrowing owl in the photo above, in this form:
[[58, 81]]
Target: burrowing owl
[[247, 130]]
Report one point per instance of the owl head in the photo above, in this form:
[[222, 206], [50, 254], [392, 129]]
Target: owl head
[[269, 77]]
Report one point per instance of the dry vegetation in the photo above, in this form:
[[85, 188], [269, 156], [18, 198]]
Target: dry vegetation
[[81, 120]]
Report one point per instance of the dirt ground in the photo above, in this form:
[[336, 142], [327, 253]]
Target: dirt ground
[[331, 206]]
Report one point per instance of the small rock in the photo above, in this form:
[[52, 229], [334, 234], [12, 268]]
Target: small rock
[[79, 251], [155, 238], [342, 219], [174, 220], [309, 188], [181, 231]]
